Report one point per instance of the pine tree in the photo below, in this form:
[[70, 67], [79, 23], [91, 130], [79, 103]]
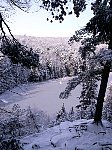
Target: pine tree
[[88, 93], [107, 111], [61, 115], [32, 121], [98, 30], [71, 115]]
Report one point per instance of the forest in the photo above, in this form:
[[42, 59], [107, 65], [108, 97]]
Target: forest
[[85, 58]]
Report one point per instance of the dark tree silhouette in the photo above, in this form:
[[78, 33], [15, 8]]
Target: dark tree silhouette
[[100, 25], [99, 28], [17, 52]]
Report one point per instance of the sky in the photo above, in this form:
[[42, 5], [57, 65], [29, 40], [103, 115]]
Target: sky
[[35, 24]]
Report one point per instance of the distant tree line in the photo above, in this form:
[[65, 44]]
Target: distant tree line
[[20, 64], [54, 63]]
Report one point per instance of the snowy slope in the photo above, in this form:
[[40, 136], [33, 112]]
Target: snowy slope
[[43, 96], [78, 135]]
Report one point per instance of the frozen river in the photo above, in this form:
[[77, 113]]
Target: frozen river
[[43, 96]]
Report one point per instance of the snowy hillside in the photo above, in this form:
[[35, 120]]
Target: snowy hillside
[[78, 135], [43, 42]]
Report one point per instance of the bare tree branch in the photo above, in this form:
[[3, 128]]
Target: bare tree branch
[[1, 27]]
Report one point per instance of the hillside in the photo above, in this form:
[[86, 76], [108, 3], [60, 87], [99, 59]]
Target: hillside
[[54, 56], [46, 43], [43, 42], [77, 135]]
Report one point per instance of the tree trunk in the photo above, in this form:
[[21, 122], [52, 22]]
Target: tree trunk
[[102, 91]]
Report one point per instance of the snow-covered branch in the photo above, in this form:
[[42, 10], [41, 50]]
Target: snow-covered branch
[[71, 85]]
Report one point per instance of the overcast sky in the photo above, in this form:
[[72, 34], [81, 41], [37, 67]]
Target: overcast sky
[[35, 24]]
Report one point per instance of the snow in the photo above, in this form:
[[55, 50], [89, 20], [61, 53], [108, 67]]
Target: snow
[[77, 135], [43, 96]]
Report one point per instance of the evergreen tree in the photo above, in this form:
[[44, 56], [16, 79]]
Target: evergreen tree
[[71, 115], [89, 92], [107, 111], [98, 30], [12, 74], [61, 115], [100, 27], [32, 121], [89, 84], [19, 53]]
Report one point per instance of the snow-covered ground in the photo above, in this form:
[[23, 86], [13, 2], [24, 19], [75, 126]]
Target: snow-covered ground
[[77, 135], [43, 96]]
